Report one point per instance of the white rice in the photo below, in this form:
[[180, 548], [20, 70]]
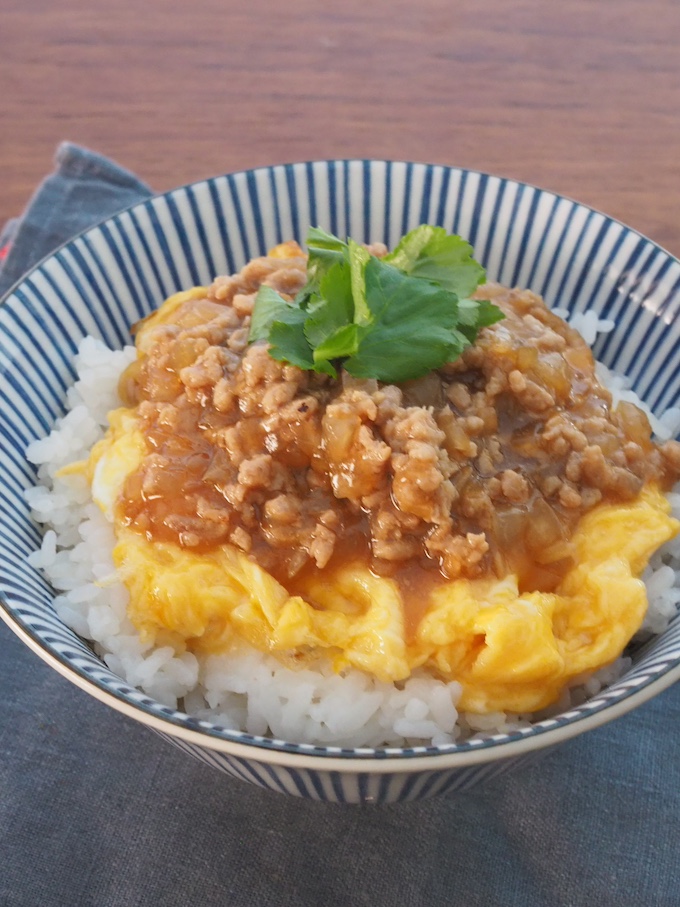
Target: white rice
[[252, 691]]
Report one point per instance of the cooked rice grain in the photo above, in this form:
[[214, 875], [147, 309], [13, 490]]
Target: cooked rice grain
[[249, 690]]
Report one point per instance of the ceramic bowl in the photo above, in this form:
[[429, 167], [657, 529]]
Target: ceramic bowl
[[114, 274]]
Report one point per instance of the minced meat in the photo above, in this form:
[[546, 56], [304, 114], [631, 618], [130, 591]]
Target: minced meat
[[477, 468]]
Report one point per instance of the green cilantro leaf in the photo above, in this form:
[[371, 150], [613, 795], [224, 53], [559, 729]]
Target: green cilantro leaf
[[269, 308], [433, 254], [413, 327], [335, 306], [343, 342], [325, 250], [287, 343], [358, 259], [487, 313], [474, 314], [393, 319], [478, 313], [409, 247], [320, 242]]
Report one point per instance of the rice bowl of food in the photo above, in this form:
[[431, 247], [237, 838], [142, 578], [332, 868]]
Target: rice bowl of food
[[354, 479]]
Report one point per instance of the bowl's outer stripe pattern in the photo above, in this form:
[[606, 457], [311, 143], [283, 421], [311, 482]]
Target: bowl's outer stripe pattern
[[364, 787], [113, 275]]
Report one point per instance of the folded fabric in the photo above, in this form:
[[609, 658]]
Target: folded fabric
[[94, 810], [85, 189]]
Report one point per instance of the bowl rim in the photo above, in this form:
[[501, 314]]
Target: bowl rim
[[381, 759], [270, 751], [311, 162]]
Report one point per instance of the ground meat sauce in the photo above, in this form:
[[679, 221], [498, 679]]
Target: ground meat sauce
[[483, 467]]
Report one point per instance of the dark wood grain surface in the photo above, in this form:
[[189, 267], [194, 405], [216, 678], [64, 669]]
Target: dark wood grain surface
[[580, 96]]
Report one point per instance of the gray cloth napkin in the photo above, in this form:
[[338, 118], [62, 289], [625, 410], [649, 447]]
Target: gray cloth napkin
[[85, 189], [97, 811]]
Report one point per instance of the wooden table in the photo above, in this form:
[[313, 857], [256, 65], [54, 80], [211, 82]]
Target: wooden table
[[580, 96]]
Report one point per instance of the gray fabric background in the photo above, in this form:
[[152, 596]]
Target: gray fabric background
[[97, 811], [84, 190]]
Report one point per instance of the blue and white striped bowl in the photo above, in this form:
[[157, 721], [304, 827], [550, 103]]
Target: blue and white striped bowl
[[116, 273]]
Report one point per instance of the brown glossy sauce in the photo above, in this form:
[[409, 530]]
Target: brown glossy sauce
[[483, 468]]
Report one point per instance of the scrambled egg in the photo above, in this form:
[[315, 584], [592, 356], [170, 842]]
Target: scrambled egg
[[510, 651]]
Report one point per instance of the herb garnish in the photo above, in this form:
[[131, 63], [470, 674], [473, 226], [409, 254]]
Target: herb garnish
[[393, 318]]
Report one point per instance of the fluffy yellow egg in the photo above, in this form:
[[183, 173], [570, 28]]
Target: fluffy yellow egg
[[114, 458], [509, 648], [510, 651]]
